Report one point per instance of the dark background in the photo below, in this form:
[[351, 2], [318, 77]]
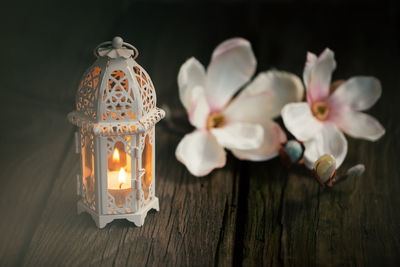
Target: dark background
[[46, 41], [247, 213]]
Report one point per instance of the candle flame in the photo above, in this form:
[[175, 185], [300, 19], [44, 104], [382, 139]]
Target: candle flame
[[116, 155], [121, 177]]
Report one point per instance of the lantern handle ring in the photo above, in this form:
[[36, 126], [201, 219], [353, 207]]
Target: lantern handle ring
[[116, 44]]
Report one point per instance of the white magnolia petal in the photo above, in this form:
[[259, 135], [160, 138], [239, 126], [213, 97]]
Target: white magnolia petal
[[191, 74], [199, 109], [200, 152], [232, 65], [283, 87], [310, 62], [360, 93], [273, 138], [253, 108], [330, 140], [360, 125], [299, 120], [239, 135], [321, 74]]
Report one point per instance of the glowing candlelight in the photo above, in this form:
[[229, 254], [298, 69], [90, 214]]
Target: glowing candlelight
[[119, 174], [116, 155], [121, 177], [119, 185]]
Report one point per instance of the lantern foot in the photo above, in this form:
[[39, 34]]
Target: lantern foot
[[137, 218]]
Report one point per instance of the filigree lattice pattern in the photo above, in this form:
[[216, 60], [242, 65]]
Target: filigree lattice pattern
[[126, 140], [152, 118], [92, 204], [142, 196], [87, 136], [88, 92], [118, 97], [142, 139], [146, 90], [88, 177], [129, 206], [115, 128]]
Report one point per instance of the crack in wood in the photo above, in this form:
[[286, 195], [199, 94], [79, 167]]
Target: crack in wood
[[221, 233], [242, 209], [282, 243]]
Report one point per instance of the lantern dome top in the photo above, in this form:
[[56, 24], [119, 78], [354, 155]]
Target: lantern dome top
[[116, 95]]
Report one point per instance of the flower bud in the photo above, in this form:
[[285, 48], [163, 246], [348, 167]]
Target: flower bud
[[294, 150], [325, 168], [356, 170], [291, 152]]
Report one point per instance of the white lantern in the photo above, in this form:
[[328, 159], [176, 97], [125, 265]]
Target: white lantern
[[116, 114]]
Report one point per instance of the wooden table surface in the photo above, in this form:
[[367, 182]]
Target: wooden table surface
[[247, 213]]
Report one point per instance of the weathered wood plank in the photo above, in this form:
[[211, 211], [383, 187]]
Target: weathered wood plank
[[33, 142], [262, 228]]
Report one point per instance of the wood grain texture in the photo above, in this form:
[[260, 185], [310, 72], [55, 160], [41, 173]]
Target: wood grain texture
[[33, 144], [248, 213]]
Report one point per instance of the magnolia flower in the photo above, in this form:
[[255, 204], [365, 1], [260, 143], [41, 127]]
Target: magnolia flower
[[331, 109], [244, 124]]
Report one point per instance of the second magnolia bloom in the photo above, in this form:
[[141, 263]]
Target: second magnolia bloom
[[243, 124], [331, 109]]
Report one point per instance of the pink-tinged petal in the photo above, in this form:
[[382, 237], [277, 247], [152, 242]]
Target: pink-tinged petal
[[191, 74], [360, 93], [330, 140], [200, 152], [199, 109], [299, 120], [359, 125], [253, 108], [232, 65], [239, 135], [310, 62], [283, 87], [320, 77], [273, 137]]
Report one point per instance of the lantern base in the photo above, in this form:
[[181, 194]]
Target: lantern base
[[137, 218]]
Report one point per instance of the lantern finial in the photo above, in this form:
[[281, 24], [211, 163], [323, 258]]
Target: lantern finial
[[116, 49], [117, 42]]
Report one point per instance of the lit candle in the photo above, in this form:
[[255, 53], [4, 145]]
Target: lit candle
[[114, 162], [119, 186]]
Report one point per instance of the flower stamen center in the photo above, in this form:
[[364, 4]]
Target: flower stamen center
[[215, 120], [320, 110]]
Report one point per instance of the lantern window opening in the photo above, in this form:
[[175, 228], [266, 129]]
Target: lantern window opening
[[119, 174], [88, 170], [147, 165]]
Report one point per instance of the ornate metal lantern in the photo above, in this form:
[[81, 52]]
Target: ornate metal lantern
[[116, 114]]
